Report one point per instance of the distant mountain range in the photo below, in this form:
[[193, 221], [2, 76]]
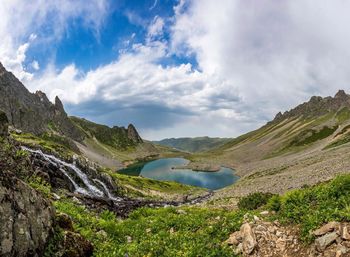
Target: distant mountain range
[[195, 144]]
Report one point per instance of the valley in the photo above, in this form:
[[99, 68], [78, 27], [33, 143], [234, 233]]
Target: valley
[[105, 191]]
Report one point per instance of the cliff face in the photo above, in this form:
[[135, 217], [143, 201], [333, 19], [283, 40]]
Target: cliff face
[[33, 113]]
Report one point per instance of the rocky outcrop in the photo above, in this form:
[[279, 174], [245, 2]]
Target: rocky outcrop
[[3, 124], [133, 134], [317, 106], [33, 113], [26, 218]]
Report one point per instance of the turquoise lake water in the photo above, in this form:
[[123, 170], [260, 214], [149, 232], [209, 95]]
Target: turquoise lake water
[[163, 169]]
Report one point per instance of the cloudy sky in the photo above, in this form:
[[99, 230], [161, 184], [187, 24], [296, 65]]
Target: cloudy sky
[[178, 67]]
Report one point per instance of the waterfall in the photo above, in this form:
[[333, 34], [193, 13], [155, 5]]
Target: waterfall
[[90, 190]]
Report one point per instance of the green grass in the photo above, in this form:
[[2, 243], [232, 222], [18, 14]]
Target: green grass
[[49, 143], [156, 232], [314, 206], [253, 201], [310, 136], [343, 115]]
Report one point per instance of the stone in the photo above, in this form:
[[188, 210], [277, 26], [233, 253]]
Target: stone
[[181, 212], [234, 239], [129, 239], [344, 234], [326, 228], [248, 239], [64, 221], [75, 245], [264, 213], [321, 243], [341, 250], [238, 249]]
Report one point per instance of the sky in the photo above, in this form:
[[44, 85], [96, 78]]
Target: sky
[[177, 68]]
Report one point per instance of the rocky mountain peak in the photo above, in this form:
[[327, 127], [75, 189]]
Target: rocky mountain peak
[[59, 105], [341, 95], [133, 134], [317, 106]]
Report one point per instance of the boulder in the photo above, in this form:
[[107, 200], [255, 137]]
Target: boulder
[[64, 221], [326, 228], [234, 239], [321, 243], [75, 245], [248, 239]]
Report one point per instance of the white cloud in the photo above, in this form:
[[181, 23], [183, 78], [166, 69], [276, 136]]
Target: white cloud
[[21, 20], [277, 54]]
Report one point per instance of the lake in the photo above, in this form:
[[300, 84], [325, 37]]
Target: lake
[[162, 169]]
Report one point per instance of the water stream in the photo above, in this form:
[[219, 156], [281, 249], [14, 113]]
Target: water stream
[[91, 187]]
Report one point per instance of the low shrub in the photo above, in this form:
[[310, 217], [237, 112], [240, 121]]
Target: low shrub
[[254, 201]]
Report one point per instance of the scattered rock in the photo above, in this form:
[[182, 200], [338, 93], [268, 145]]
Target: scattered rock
[[321, 243]]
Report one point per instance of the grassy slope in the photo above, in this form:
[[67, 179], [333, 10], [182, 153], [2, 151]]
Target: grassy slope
[[201, 231]]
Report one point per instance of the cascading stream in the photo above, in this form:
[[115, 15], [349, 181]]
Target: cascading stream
[[91, 190]]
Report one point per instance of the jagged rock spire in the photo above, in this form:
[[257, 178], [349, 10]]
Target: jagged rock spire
[[133, 134]]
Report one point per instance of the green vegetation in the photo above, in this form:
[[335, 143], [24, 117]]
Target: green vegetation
[[253, 201], [311, 207], [115, 137], [52, 143], [343, 115], [39, 184], [156, 232], [311, 135]]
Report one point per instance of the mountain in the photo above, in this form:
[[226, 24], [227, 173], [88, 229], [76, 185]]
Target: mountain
[[195, 144], [306, 144], [33, 113]]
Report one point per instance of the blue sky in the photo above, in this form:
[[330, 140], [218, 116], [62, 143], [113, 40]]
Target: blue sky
[[181, 67]]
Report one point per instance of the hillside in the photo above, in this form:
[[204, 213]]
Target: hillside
[[195, 144], [305, 145]]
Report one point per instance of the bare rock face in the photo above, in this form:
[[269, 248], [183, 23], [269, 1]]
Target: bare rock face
[[26, 218], [3, 124], [32, 113], [133, 134]]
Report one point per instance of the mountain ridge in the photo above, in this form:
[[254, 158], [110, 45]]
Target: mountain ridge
[[193, 144]]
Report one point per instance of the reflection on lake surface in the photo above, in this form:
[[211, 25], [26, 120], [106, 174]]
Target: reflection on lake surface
[[162, 169]]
